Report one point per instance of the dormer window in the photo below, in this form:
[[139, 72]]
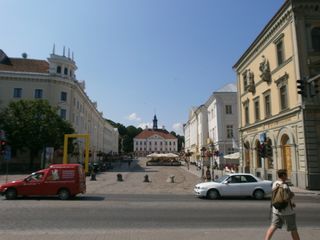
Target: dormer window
[[65, 71], [58, 69]]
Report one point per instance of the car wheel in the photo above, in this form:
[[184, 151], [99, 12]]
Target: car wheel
[[258, 194], [11, 193], [213, 194], [64, 194]]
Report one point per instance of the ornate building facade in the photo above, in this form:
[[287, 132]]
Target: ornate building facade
[[54, 79], [279, 117]]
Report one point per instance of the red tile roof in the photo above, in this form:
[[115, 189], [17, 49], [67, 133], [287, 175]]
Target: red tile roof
[[150, 132], [25, 65]]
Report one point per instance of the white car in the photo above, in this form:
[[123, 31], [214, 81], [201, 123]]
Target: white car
[[233, 185]]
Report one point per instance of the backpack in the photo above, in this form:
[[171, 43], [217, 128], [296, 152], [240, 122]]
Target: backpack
[[281, 197]]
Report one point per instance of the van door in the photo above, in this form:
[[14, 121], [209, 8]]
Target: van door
[[52, 182], [33, 184]]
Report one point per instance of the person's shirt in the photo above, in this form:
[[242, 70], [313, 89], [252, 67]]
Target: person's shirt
[[289, 209]]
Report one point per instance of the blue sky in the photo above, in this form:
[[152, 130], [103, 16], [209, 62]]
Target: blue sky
[[140, 57]]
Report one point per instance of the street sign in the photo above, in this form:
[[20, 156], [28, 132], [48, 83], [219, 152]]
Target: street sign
[[7, 153]]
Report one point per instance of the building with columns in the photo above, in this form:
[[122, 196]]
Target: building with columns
[[54, 80], [154, 140], [196, 131], [279, 118]]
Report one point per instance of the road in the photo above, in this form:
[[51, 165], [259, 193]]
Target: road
[[118, 210]]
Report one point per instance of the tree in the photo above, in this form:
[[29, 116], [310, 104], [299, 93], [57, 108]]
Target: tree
[[33, 124]]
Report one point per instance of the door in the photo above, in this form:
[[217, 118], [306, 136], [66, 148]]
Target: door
[[287, 159], [231, 187]]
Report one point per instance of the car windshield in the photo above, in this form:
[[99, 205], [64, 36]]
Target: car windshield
[[221, 179]]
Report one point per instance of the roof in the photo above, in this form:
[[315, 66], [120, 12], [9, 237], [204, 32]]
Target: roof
[[150, 132], [22, 64], [230, 87]]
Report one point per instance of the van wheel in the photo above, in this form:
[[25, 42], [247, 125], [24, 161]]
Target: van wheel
[[11, 193], [64, 194]]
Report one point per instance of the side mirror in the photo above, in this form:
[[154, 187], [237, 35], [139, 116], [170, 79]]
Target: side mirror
[[227, 181]]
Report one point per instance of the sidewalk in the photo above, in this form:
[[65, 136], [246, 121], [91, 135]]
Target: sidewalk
[[298, 191]]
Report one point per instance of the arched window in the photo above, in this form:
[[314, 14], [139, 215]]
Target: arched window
[[315, 36], [58, 69], [65, 71]]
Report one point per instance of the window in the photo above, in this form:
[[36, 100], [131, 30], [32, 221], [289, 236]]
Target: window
[[257, 109], [65, 71], [63, 96], [248, 178], [38, 93], [63, 114], [246, 113], [228, 109], [145, 143], [229, 131], [315, 36], [267, 105], [58, 69], [283, 97], [280, 52], [149, 143], [17, 92]]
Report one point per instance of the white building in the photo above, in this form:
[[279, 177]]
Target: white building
[[154, 140], [223, 120], [196, 131], [213, 125], [55, 81]]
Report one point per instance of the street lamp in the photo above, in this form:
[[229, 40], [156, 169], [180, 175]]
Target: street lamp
[[203, 150], [211, 160]]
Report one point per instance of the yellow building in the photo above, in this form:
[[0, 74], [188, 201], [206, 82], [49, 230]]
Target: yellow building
[[279, 127]]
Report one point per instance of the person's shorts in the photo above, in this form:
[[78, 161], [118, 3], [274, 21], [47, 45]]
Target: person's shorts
[[289, 220]]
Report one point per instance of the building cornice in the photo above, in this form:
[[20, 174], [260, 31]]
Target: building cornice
[[280, 19]]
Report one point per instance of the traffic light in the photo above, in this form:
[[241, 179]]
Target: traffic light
[[269, 150], [262, 150], [314, 88], [3, 145], [301, 85]]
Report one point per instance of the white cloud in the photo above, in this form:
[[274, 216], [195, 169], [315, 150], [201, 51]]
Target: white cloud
[[178, 128], [134, 117]]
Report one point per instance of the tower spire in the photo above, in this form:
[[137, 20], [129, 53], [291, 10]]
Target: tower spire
[[155, 123], [54, 49]]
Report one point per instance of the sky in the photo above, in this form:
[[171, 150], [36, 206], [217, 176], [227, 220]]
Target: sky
[[140, 57]]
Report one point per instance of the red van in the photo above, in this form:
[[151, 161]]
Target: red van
[[62, 180]]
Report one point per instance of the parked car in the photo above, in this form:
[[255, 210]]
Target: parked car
[[234, 185], [62, 180]]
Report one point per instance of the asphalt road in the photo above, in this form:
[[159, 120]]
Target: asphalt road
[[145, 211], [157, 210]]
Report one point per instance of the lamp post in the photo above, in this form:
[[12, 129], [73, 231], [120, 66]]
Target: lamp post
[[211, 160], [203, 150]]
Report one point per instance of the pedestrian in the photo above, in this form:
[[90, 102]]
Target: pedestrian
[[286, 215], [129, 162]]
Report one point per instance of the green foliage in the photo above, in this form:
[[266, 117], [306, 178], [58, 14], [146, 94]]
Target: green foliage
[[33, 124]]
